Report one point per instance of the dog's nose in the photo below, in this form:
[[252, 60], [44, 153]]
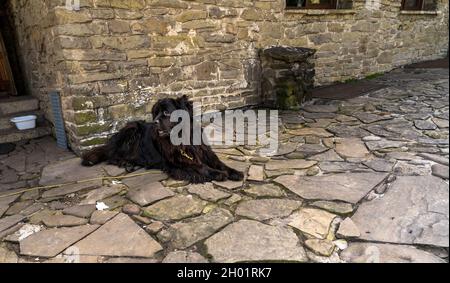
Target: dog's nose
[[157, 122]]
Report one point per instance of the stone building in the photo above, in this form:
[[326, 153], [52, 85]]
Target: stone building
[[111, 59]]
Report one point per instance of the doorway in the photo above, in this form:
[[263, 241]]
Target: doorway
[[11, 76], [7, 86]]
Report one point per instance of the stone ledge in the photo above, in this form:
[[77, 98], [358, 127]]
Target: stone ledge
[[315, 12], [431, 13]]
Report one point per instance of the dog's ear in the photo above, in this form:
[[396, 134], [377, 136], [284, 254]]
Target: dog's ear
[[183, 100], [156, 109], [184, 103]]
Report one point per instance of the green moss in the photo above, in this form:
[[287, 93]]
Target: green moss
[[85, 117], [374, 76], [350, 81], [92, 129], [79, 103], [287, 97], [368, 77]]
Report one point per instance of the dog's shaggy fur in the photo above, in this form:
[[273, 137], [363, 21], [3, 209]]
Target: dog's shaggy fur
[[148, 145]]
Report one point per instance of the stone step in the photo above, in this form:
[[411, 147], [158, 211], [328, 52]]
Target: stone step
[[6, 124], [14, 135], [20, 104]]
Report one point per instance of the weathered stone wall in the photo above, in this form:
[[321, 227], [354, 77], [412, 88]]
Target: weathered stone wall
[[287, 76], [118, 57], [37, 47]]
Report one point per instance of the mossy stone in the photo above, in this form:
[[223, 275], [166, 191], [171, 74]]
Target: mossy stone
[[85, 117], [92, 129]]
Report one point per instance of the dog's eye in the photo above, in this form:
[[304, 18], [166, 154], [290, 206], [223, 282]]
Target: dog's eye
[[166, 113]]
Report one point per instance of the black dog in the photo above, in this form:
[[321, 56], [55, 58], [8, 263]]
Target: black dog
[[148, 145]]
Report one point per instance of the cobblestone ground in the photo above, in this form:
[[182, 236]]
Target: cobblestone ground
[[359, 180]]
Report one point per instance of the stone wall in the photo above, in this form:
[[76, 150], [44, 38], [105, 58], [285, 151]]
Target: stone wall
[[37, 48], [287, 76], [115, 58]]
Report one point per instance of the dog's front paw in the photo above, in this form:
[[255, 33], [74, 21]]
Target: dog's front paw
[[198, 179], [87, 163], [235, 175], [218, 176]]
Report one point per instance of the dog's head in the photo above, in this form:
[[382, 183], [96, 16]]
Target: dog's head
[[163, 110]]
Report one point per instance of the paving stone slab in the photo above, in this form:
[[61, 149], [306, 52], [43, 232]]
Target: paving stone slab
[[256, 173], [184, 257], [318, 132], [403, 168], [266, 209], [152, 176], [444, 160], [208, 192], [7, 200], [9, 221], [369, 118], [82, 211], [3, 209], [350, 188], [148, 193], [185, 234], [101, 217], [424, 125], [70, 189], [379, 164], [404, 156], [321, 108], [351, 148], [415, 210], [63, 221], [93, 196], [384, 144], [290, 164], [113, 170], [441, 123], [329, 155], [175, 208], [7, 256], [341, 130], [320, 247], [131, 209], [312, 222], [265, 190], [120, 237], [310, 149], [17, 207], [56, 173], [341, 208], [24, 232], [32, 209], [440, 171], [341, 167], [50, 243], [348, 229], [284, 149], [251, 241], [317, 115], [229, 185], [115, 202], [387, 253], [322, 123]]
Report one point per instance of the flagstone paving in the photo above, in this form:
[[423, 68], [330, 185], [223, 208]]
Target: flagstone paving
[[358, 180]]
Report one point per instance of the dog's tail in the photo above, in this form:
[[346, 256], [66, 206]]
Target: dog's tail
[[95, 156]]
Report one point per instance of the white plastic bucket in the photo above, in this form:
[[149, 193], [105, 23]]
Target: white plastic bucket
[[25, 122]]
